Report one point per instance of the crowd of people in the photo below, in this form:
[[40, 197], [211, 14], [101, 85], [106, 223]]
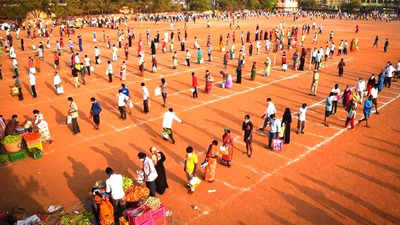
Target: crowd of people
[[282, 38]]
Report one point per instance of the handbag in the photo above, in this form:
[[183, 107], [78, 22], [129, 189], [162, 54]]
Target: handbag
[[157, 91], [204, 164], [69, 119], [130, 104], [60, 90]]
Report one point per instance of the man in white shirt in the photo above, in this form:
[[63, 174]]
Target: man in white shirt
[[389, 74], [115, 188], [267, 114], [150, 173], [15, 66], [122, 100], [360, 88], [77, 59], [32, 81], [188, 57], [302, 118], [146, 96], [109, 71], [374, 94], [398, 70], [168, 118], [87, 64], [97, 55], [274, 130], [56, 80]]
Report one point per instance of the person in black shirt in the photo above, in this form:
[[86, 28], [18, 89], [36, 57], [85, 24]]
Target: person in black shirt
[[247, 127]]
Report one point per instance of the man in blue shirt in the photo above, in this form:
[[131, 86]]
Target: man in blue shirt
[[124, 90], [367, 110], [95, 112]]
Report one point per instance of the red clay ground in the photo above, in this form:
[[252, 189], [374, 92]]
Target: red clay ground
[[326, 176]]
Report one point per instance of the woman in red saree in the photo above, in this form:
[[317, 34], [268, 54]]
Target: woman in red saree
[[209, 81], [211, 157], [227, 140]]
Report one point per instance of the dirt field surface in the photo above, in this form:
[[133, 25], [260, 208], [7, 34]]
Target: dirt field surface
[[329, 175]]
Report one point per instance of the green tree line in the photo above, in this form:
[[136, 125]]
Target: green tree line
[[18, 9]]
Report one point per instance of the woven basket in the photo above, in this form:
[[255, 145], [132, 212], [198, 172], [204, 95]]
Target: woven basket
[[13, 147]]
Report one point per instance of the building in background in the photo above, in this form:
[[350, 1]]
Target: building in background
[[287, 5]]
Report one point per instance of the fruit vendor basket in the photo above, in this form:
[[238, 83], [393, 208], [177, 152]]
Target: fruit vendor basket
[[12, 143]]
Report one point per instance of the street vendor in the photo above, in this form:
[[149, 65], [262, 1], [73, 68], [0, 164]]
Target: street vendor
[[11, 127], [102, 206], [115, 189]]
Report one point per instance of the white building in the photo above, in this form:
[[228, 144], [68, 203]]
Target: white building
[[287, 5]]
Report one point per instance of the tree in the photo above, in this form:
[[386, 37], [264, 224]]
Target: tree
[[308, 4], [198, 5], [267, 4], [351, 6]]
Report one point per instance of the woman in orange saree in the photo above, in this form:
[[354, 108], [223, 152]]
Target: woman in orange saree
[[211, 157], [228, 145]]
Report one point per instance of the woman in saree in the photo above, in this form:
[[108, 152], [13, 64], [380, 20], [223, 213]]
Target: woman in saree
[[158, 160], [209, 80], [347, 95], [253, 71], [267, 69], [229, 82], [211, 157], [227, 143]]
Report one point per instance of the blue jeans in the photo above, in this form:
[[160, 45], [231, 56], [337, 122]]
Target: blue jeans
[[271, 135]]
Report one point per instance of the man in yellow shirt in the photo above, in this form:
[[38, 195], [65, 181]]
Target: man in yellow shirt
[[190, 168]]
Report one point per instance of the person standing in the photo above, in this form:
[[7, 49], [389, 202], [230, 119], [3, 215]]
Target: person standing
[[336, 98], [163, 88], [168, 118], [32, 82], [141, 64], [360, 88], [194, 85], [190, 168], [86, 59], [146, 96], [286, 125], [367, 110], [374, 95], [267, 114], [376, 41], [351, 114], [295, 59], [73, 114], [247, 127], [328, 107], [115, 189], [267, 69], [158, 158], [122, 100], [109, 71], [209, 81], [187, 57], [253, 71], [340, 66], [302, 118], [227, 143], [389, 74], [97, 55], [95, 112], [211, 159], [239, 74], [314, 85], [386, 45], [275, 129], [150, 173]]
